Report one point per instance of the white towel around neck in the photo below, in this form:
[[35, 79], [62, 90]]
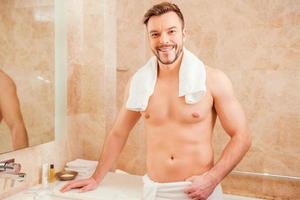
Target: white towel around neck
[[192, 77]]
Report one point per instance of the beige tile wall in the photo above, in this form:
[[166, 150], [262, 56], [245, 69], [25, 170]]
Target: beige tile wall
[[91, 73]]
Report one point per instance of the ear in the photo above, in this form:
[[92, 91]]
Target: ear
[[184, 34], [147, 35]]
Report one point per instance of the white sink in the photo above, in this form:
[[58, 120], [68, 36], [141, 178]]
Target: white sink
[[7, 181]]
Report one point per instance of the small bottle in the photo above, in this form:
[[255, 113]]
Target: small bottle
[[51, 174]]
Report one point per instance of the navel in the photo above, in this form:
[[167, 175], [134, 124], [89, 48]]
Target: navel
[[147, 116], [196, 115], [172, 157]]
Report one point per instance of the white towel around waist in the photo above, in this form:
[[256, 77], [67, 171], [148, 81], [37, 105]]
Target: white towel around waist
[[192, 78], [172, 190]]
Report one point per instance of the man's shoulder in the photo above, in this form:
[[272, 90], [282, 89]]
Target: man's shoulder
[[6, 82], [216, 80], [214, 74]]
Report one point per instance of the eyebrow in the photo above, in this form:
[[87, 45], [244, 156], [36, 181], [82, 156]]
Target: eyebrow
[[172, 27]]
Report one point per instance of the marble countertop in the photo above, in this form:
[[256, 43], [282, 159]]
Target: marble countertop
[[115, 186]]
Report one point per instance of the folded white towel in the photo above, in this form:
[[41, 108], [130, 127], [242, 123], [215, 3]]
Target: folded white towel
[[85, 168], [192, 77], [83, 172], [81, 163]]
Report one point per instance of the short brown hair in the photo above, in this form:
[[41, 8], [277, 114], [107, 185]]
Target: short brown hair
[[162, 8]]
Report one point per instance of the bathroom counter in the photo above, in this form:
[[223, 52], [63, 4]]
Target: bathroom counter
[[115, 186]]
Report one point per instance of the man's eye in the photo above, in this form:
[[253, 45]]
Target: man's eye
[[154, 35], [172, 31]]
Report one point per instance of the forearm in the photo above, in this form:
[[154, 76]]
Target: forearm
[[111, 150], [231, 156], [19, 136]]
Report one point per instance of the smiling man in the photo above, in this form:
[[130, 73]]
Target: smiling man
[[179, 99]]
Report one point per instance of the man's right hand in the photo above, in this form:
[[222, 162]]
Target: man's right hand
[[84, 185]]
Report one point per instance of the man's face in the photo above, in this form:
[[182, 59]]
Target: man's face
[[166, 37]]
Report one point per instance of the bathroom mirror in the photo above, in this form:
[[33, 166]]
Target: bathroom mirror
[[26, 73]]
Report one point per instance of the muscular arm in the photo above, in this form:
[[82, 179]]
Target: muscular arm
[[112, 148], [116, 139], [11, 113], [233, 120]]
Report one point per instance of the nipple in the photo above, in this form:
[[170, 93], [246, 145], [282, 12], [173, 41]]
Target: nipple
[[196, 115], [147, 115]]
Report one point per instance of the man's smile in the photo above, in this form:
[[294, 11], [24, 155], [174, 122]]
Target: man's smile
[[166, 49]]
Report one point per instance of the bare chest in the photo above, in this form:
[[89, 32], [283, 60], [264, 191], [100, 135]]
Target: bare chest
[[165, 106]]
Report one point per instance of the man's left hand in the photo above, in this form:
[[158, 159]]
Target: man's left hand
[[202, 186]]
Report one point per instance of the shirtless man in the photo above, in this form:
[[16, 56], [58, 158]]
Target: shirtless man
[[10, 112], [178, 135]]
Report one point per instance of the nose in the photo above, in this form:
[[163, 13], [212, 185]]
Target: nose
[[164, 38]]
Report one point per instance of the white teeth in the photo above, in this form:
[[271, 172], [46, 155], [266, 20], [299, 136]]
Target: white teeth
[[166, 49]]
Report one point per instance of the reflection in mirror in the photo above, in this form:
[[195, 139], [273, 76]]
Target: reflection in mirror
[[10, 112], [26, 73]]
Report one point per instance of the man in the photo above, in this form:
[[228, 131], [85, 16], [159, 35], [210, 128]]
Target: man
[[10, 112], [178, 132]]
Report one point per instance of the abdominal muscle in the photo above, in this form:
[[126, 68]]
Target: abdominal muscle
[[176, 153]]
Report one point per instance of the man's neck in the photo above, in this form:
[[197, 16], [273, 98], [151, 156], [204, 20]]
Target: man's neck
[[171, 70]]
